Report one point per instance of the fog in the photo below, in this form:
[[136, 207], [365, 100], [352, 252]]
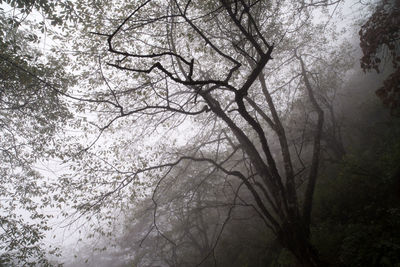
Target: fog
[[183, 133]]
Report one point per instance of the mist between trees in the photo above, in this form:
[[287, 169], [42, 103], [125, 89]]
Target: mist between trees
[[199, 133]]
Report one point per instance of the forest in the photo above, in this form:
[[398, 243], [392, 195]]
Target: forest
[[179, 133]]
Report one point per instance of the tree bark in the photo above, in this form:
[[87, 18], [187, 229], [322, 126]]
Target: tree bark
[[294, 237]]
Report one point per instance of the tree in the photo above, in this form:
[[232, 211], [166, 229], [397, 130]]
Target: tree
[[200, 221], [379, 41], [31, 113], [206, 63], [201, 215]]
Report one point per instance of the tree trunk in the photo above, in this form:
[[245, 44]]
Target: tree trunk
[[307, 256], [294, 237]]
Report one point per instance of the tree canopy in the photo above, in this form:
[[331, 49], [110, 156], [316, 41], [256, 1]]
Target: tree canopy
[[31, 114], [194, 133], [213, 64]]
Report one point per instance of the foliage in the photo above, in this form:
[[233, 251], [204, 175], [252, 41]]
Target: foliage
[[57, 12], [379, 41], [229, 71], [31, 113], [201, 131], [357, 212]]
